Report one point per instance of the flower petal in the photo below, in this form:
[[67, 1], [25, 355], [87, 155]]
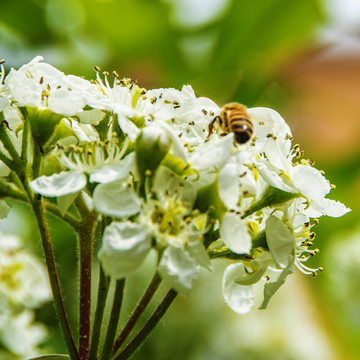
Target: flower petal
[[271, 175], [110, 173], [178, 269], [234, 234], [330, 207], [215, 156], [124, 248], [280, 241], [238, 297], [63, 183], [310, 182], [228, 185], [116, 199]]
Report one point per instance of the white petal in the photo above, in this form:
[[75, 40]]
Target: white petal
[[228, 185], [178, 269], [330, 207], [124, 248], [126, 125], [213, 156], [110, 173], [116, 199], [280, 241], [310, 182], [65, 102], [234, 234], [238, 297], [199, 254], [271, 175], [63, 183]]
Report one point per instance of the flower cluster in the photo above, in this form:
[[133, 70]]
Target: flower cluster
[[145, 161], [24, 286]]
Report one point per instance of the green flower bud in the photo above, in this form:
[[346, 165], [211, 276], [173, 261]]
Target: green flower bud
[[271, 197], [43, 123]]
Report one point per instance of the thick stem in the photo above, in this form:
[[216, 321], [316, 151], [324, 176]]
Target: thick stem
[[103, 289], [148, 327], [86, 234], [144, 302], [54, 279], [114, 319]]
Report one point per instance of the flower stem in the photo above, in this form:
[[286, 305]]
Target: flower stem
[[114, 319], [149, 326], [86, 234], [103, 289], [144, 302], [25, 135], [39, 211]]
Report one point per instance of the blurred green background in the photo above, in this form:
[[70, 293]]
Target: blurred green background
[[298, 57]]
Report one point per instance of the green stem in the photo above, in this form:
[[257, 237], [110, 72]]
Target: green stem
[[114, 319], [7, 161], [86, 235], [39, 211], [7, 190], [5, 139], [103, 289], [70, 220], [149, 326], [25, 135], [143, 303], [37, 161]]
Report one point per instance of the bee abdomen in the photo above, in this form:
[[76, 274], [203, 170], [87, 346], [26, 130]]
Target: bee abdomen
[[242, 127]]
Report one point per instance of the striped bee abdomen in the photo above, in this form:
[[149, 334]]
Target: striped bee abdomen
[[240, 124]]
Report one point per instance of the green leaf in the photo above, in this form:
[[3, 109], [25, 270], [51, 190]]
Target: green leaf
[[272, 287]]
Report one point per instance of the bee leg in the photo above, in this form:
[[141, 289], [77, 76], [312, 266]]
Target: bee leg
[[211, 125]]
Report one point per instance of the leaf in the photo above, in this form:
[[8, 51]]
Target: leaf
[[271, 288]]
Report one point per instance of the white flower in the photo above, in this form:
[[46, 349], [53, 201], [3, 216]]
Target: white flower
[[23, 278], [304, 180], [104, 163], [41, 85], [21, 335]]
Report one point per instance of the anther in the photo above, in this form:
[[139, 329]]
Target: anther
[[2, 61], [96, 68]]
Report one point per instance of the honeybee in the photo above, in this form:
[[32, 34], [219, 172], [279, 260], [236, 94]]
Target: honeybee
[[234, 118]]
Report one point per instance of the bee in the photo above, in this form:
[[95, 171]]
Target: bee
[[234, 118]]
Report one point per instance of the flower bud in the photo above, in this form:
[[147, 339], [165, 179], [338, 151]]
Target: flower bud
[[43, 123]]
